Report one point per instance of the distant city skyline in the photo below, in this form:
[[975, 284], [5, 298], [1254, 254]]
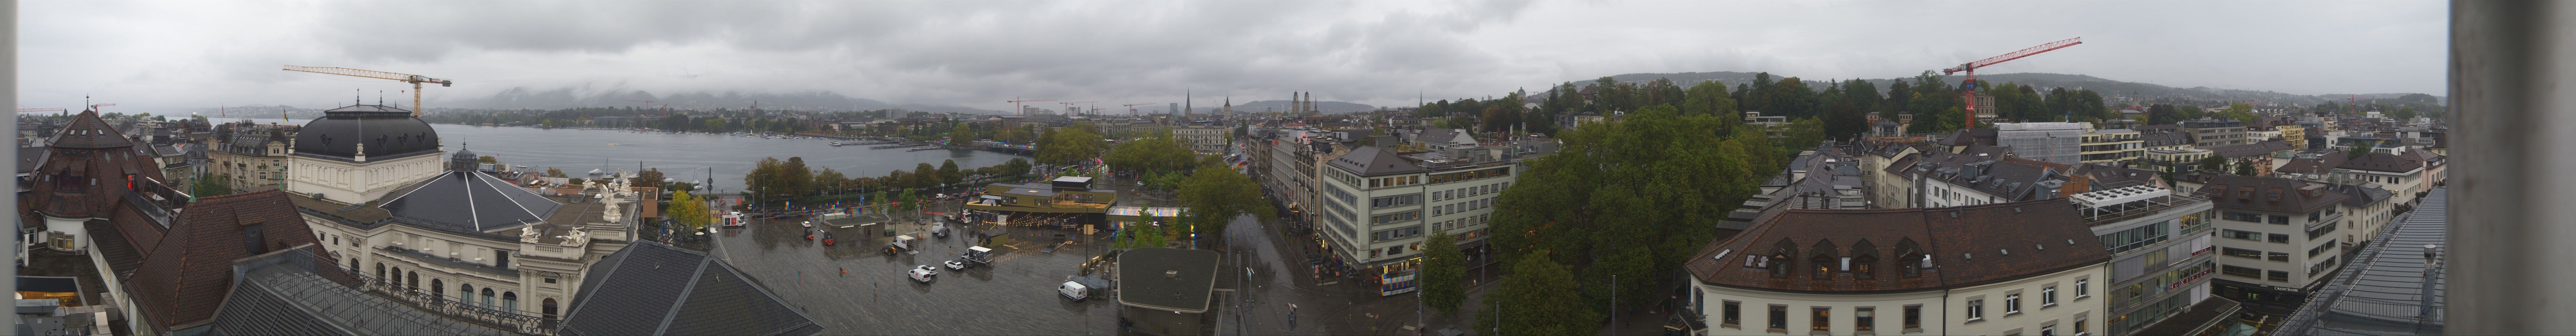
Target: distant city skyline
[[177, 56]]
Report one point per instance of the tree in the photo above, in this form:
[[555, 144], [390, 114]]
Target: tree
[[552, 172], [1069, 145], [688, 210], [648, 177], [831, 180], [1443, 268], [1215, 195], [1537, 290], [962, 133], [2164, 114], [1802, 133], [2213, 163], [2361, 149], [1631, 197], [1844, 121], [212, 185], [2245, 167], [948, 172], [487, 159], [795, 180], [1016, 167], [925, 176], [2404, 112]]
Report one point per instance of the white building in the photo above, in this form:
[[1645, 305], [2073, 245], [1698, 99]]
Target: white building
[[1379, 206], [2017, 268], [2277, 237], [370, 183]]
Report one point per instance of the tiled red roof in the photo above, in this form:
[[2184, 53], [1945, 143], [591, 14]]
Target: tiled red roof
[[1968, 246], [184, 280], [100, 158]]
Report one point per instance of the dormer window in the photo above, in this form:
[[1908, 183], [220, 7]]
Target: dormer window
[[1824, 260]]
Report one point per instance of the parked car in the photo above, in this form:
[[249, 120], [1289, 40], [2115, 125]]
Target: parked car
[[961, 264], [1074, 290], [922, 273]]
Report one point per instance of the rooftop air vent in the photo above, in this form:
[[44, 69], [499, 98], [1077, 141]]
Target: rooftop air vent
[[2004, 251]]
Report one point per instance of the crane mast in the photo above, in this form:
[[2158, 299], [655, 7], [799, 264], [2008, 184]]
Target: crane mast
[[1970, 84]]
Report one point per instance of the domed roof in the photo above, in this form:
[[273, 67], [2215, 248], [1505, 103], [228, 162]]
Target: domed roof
[[385, 131]]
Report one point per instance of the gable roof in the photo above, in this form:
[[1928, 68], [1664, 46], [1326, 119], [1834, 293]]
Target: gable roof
[[1374, 161], [87, 131], [1969, 245], [652, 289], [2381, 162], [2255, 194], [188, 273]]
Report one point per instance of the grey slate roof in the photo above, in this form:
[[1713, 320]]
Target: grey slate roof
[[1143, 280], [2382, 291], [654, 289], [281, 299], [1374, 161], [31, 157], [2360, 196], [470, 201], [387, 133]]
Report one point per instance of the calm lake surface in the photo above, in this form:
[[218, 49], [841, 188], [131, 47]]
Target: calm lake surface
[[681, 156]]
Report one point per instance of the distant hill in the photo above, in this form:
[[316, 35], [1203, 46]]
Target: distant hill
[[521, 97], [2109, 88]]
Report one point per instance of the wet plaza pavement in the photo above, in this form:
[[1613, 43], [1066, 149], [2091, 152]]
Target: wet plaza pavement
[[1014, 295]]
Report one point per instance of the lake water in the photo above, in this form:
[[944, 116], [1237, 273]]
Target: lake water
[[682, 156]]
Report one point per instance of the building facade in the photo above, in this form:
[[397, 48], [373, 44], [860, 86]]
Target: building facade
[[2109, 147], [2029, 269], [2214, 132], [1379, 207], [2277, 237], [250, 157]]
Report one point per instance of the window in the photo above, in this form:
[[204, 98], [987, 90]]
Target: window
[[465, 293], [2012, 304], [2243, 217], [1913, 317], [1865, 319], [2241, 271], [2279, 256], [2241, 253], [1780, 318], [1823, 320], [1734, 314], [2321, 248], [2048, 297], [2245, 235], [1976, 310], [2321, 266], [2279, 219], [2083, 288], [487, 297], [2048, 330], [1824, 266], [549, 307], [2079, 324], [1779, 265], [2277, 275], [500, 259], [2279, 238], [550, 280], [252, 240], [510, 301]]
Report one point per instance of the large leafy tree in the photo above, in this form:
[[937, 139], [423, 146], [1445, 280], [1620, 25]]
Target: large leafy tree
[[1631, 198], [209, 185], [1215, 195], [1069, 145], [1151, 154], [689, 210], [1444, 268], [925, 176], [1844, 121], [1533, 300], [948, 172]]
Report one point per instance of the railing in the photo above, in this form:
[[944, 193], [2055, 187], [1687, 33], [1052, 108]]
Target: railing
[[450, 261], [2096, 216], [457, 309]]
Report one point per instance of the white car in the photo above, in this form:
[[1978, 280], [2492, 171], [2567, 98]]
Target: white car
[[1074, 290], [922, 273]]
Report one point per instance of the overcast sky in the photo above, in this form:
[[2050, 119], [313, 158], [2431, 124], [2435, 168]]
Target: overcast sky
[[149, 56]]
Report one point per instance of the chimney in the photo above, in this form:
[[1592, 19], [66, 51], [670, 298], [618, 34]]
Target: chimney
[[2432, 273]]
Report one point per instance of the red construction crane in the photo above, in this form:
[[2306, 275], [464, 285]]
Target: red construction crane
[[1131, 108], [1068, 106], [1971, 83], [1016, 107]]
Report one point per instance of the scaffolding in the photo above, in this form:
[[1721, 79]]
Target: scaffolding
[[2061, 143]]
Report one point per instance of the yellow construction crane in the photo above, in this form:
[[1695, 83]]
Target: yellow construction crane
[[415, 80]]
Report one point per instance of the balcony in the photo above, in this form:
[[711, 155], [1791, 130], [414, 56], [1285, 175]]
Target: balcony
[[2116, 210]]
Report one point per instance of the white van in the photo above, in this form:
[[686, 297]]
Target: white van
[[1074, 290]]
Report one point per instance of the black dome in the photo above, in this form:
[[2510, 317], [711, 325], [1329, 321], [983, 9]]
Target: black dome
[[387, 132]]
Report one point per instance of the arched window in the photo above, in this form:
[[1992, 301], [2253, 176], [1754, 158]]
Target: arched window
[[380, 271], [465, 293], [487, 297], [1779, 262], [353, 266], [510, 302], [1864, 255], [549, 306], [1823, 259], [438, 289], [412, 280]]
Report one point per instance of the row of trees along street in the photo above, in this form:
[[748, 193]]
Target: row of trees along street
[[772, 181]]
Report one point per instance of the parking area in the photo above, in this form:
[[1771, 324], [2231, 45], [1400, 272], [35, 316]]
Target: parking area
[[1014, 295]]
